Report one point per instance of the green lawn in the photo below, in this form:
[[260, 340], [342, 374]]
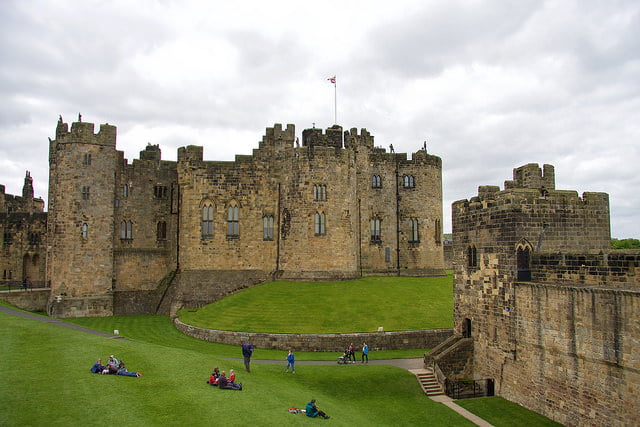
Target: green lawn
[[500, 412], [395, 303], [46, 381]]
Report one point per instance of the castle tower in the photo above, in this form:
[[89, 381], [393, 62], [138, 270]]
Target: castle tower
[[495, 236], [80, 226]]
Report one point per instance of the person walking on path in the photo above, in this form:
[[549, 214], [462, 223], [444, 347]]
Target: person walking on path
[[290, 362], [365, 353], [247, 352]]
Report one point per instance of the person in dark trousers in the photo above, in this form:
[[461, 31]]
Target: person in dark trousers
[[247, 352], [313, 411], [352, 352], [365, 352]]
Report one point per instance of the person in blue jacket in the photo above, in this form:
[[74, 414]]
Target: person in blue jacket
[[290, 362]]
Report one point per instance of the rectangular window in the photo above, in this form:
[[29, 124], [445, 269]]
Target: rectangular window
[[85, 193], [86, 160], [414, 236], [85, 230], [160, 191], [207, 220], [375, 230], [232, 221], [319, 192], [161, 230], [8, 238], [319, 224], [126, 230], [387, 254], [267, 227]]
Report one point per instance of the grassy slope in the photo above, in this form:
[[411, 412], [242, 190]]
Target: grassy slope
[[398, 303], [46, 381], [500, 412]]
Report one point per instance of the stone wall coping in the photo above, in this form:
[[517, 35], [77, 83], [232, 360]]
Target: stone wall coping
[[386, 340]]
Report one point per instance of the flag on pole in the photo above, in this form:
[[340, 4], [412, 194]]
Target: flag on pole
[[332, 79]]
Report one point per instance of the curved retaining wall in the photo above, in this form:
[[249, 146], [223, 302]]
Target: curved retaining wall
[[394, 340]]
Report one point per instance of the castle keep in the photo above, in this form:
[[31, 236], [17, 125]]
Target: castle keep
[[549, 313], [154, 236]]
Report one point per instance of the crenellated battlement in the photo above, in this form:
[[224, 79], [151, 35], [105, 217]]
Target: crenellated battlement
[[531, 176], [532, 186], [277, 137], [353, 140], [83, 133], [316, 137]]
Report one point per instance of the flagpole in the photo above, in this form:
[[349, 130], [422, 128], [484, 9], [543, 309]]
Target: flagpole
[[335, 101]]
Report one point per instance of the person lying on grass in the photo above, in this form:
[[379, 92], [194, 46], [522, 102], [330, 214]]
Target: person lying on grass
[[225, 384], [113, 368]]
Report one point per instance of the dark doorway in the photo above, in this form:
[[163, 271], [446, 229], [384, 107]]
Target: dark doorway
[[466, 328], [490, 388], [523, 260]]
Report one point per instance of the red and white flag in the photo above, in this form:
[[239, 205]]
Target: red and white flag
[[332, 79]]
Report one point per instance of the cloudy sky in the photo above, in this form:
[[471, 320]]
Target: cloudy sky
[[490, 85]]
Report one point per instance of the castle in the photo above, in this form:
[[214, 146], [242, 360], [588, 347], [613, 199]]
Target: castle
[[545, 314], [154, 235], [543, 309]]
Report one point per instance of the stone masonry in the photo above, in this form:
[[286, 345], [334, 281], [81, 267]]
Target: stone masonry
[[551, 310], [333, 207]]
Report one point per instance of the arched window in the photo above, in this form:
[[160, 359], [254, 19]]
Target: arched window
[[319, 224], [523, 260], [85, 230], [375, 230], [207, 220], [125, 190], [232, 220], [376, 181], [414, 234], [267, 227], [408, 181]]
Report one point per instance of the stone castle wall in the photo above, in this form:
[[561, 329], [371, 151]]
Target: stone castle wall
[[321, 342], [576, 359], [547, 304], [298, 211]]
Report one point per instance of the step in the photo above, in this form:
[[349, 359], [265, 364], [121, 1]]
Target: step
[[428, 382]]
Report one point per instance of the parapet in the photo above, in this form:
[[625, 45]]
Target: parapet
[[83, 132], [190, 153], [315, 137], [276, 135], [151, 152], [352, 139], [531, 176]]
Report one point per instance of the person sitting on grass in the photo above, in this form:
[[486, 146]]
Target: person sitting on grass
[[313, 411], [213, 378], [97, 367], [232, 376], [224, 384]]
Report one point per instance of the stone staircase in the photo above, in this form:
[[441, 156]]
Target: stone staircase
[[428, 381]]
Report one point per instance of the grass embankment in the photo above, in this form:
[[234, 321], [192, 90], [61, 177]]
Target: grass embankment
[[395, 303], [46, 381]]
